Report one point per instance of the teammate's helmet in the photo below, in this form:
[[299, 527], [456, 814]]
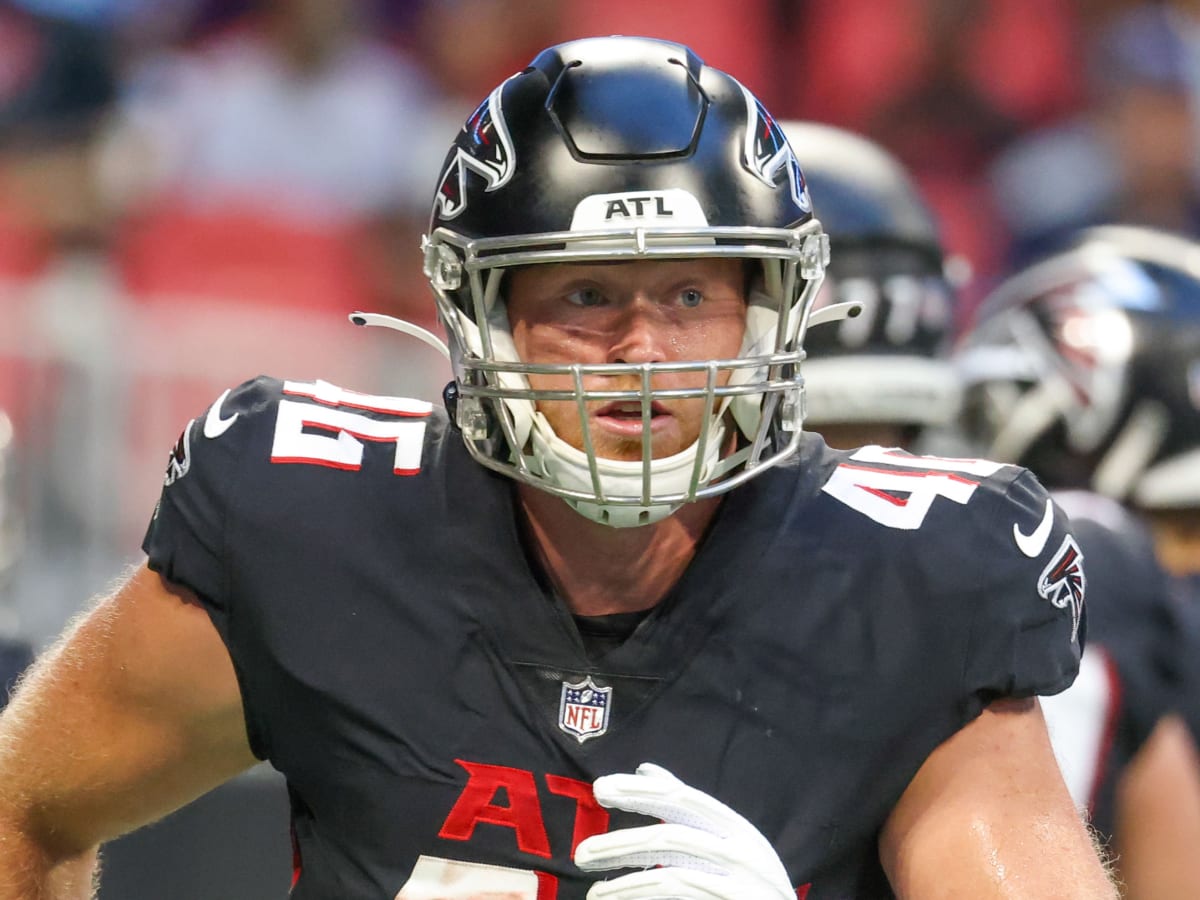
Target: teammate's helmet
[[623, 149], [1085, 367], [889, 364]]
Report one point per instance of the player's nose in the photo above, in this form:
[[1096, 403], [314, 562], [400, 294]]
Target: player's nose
[[639, 334]]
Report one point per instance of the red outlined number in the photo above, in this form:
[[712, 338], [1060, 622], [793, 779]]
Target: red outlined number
[[902, 499], [330, 431]]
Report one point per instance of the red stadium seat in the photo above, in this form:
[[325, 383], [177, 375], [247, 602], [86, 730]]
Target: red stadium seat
[[242, 255]]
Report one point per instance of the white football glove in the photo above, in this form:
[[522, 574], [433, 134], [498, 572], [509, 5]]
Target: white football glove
[[704, 850]]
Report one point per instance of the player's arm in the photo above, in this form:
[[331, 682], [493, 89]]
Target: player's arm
[[135, 712], [988, 816], [1158, 817]]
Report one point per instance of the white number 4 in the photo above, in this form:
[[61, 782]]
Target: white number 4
[[902, 499], [330, 433]]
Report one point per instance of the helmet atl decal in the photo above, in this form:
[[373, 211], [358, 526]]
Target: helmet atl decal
[[485, 147], [1062, 582], [584, 708], [767, 151]]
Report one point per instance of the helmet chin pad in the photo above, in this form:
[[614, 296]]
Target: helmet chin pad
[[572, 469]]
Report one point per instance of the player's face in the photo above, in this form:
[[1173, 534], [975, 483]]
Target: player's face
[[635, 312]]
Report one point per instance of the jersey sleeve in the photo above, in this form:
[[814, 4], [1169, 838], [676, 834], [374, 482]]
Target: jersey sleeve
[[1029, 623], [186, 537]]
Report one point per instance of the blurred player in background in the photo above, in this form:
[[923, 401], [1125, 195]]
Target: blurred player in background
[[884, 375], [1086, 368]]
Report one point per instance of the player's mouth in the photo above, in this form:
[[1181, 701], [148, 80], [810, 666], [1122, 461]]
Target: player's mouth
[[625, 417]]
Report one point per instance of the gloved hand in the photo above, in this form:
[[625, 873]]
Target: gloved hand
[[704, 850]]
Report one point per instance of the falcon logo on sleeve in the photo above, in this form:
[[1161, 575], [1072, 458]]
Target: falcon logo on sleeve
[[179, 461], [1063, 583]]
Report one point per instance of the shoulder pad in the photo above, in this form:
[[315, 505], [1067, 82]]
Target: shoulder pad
[[988, 546], [225, 464]]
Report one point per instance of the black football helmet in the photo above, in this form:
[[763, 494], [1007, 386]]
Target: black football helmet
[[1085, 367], [623, 148], [888, 364]]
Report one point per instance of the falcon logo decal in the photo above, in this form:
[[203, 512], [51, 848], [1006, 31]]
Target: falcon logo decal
[[1063, 583], [180, 459], [484, 147], [767, 151]]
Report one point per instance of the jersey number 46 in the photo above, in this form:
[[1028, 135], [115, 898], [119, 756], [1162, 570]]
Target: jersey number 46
[[897, 489]]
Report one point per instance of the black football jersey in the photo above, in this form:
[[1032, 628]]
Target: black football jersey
[[440, 721], [1129, 673]]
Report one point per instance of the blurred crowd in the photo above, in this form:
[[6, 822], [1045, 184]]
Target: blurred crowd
[[194, 191]]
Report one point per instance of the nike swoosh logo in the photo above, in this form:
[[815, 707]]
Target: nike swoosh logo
[[1034, 543], [214, 425]]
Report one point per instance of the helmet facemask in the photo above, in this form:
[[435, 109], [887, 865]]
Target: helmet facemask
[[759, 393]]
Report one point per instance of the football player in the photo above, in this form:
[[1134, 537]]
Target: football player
[[610, 626], [1083, 367], [881, 376]]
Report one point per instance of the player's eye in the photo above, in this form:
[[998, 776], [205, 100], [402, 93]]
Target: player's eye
[[690, 298], [585, 296]]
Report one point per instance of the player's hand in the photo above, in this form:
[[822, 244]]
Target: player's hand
[[703, 850]]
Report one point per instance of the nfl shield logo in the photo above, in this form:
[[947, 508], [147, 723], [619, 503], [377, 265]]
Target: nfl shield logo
[[583, 709]]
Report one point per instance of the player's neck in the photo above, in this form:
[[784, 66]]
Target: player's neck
[[597, 569]]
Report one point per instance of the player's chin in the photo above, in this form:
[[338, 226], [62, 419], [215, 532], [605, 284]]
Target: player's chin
[[628, 448]]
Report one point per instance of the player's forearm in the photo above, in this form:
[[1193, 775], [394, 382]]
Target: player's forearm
[[31, 871]]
